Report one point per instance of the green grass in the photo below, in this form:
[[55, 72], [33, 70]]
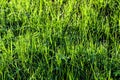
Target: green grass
[[60, 40]]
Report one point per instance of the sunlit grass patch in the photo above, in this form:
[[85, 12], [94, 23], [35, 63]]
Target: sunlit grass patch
[[59, 40]]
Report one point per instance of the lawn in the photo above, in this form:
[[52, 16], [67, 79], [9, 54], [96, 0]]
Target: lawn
[[59, 39]]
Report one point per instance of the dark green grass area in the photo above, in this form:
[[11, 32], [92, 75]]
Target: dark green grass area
[[59, 39]]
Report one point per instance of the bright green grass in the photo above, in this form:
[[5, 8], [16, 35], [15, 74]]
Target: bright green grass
[[59, 39]]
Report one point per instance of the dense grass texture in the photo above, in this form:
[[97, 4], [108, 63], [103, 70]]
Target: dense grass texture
[[59, 39]]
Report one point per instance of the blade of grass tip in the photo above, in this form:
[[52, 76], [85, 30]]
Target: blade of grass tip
[[41, 6]]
